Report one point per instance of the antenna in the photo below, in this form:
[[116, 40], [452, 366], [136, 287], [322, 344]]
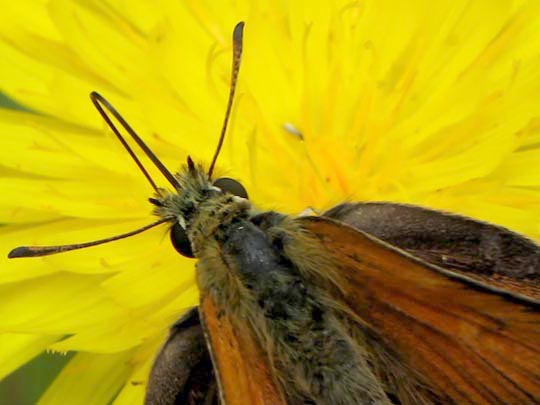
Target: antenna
[[237, 56], [98, 100], [35, 251]]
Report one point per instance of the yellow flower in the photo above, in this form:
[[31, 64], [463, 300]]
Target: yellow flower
[[431, 103]]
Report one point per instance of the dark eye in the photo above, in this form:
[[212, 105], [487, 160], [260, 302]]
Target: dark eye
[[180, 241], [228, 185]]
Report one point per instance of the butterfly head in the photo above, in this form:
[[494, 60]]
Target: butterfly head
[[198, 206]]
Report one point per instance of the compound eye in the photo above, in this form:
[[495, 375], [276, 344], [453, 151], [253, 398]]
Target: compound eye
[[180, 241], [228, 185]]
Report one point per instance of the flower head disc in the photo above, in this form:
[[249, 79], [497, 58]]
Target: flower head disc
[[431, 103]]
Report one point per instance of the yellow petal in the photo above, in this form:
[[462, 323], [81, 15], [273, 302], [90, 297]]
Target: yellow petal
[[56, 304]]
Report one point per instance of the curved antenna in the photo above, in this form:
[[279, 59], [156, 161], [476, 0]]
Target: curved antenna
[[93, 97], [35, 251], [237, 56], [98, 100]]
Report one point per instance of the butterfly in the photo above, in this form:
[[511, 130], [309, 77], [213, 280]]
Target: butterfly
[[367, 303]]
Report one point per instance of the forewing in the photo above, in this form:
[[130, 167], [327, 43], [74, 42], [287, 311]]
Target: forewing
[[473, 342], [243, 374], [487, 252]]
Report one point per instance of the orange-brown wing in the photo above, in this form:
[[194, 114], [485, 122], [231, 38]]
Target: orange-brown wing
[[473, 342], [242, 373]]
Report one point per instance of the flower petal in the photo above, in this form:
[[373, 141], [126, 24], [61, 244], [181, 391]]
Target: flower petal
[[56, 304]]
